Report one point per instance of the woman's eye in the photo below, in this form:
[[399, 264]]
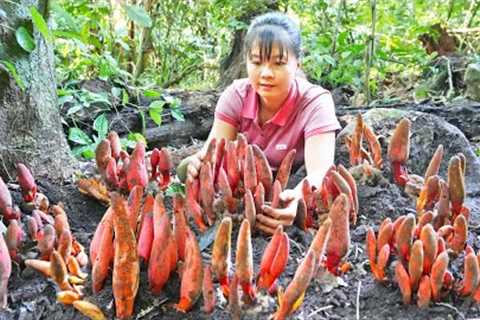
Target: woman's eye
[[281, 62]]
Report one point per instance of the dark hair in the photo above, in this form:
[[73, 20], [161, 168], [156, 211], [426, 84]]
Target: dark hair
[[273, 28]]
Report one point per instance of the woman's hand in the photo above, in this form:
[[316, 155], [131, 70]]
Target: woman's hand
[[271, 218], [189, 167], [193, 168]]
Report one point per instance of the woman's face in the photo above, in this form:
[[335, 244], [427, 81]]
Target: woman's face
[[271, 77]]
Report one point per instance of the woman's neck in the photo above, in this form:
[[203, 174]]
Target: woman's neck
[[269, 106]]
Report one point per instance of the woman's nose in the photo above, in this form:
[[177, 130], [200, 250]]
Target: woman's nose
[[266, 72]]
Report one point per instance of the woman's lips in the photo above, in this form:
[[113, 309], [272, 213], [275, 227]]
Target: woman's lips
[[266, 86]]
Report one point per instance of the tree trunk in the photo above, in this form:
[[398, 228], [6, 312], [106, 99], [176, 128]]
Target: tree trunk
[[30, 123], [233, 66], [145, 47]]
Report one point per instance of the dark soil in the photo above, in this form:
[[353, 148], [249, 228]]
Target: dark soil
[[358, 296], [31, 296]]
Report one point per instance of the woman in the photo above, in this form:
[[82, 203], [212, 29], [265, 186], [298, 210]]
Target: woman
[[278, 110]]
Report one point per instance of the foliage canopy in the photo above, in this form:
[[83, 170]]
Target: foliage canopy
[[369, 47]]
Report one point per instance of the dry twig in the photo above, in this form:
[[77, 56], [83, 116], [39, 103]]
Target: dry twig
[[358, 300], [449, 306], [319, 310]]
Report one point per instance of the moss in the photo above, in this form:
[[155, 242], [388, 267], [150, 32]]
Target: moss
[[378, 114], [472, 81]]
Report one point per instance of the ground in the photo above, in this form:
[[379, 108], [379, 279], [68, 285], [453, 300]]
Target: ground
[[358, 296]]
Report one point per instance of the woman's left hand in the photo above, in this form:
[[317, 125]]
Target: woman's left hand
[[271, 218]]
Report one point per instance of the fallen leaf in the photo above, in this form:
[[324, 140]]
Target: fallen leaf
[[94, 188]]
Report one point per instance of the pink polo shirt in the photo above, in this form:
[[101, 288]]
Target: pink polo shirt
[[308, 110]]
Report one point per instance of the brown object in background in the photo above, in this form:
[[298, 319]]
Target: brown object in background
[[438, 40]]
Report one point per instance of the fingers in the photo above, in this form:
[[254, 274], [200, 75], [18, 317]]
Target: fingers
[[267, 221], [192, 172], [287, 195], [268, 224], [287, 213], [193, 167], [271, 218], [196, 161], [201, 155], [264, 228], [272, 222]]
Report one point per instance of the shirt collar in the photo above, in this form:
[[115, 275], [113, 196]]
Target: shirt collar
[[250, 109], [250, 106]]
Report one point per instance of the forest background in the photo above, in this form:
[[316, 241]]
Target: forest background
[[372, 52]]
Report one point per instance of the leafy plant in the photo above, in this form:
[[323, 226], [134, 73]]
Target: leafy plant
[[133, 138], [80, 99], [24, 39], [139, 15], [87, 145], [41, 24], [155, 109], [10, 67], [181, 42]]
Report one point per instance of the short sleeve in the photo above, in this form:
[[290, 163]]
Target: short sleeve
[[322, 116], [229, 106]]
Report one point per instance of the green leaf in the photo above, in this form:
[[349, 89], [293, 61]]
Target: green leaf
[[139, 15], [97, 139], [155, 110], [77, 151], [126, 143], [123, 44], [172, 101], [81, 151], [24, 39], [68, 35], [10, 67], [421, 92], [88, 153], [101, 126], [92, 97], [78, 136], [174, 188], [157, 104], [143, 123], [125, 97], [64, 99], [151, 93], [75, 108], [135, 136], [177, 114], [66, 18], [116, 91], [156, 115], [330, 60], [40, 23]]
